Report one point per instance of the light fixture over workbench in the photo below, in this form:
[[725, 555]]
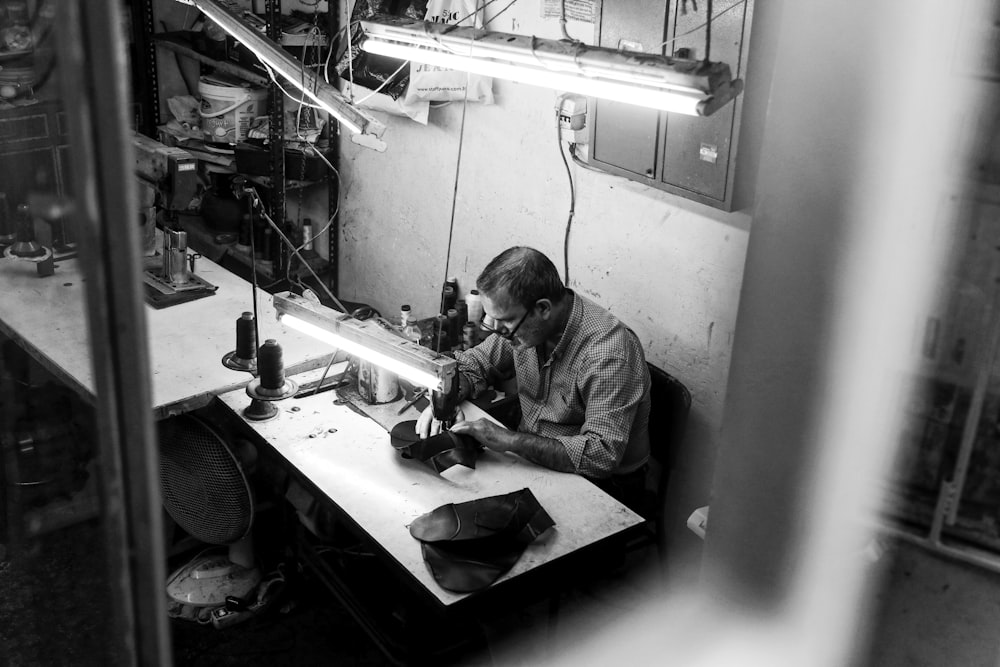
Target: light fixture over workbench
[[367, 340], [693, 87], [280, 62]]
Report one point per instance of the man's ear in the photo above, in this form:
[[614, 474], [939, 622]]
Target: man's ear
[[544, 307]]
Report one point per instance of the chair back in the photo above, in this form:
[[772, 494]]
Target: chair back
[[670, 403]]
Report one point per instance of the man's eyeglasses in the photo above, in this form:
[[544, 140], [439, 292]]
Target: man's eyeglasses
[[504, 332]]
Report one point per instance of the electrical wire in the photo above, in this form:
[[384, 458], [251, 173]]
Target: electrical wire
[[708, 31], [305, 264], [454, 192], [562, 22], [497, 15], [578, 161], [572, 193], [270, 73], [703, 25]]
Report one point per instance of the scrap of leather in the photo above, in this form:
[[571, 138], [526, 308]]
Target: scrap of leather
[[440, 451], [467, 546]]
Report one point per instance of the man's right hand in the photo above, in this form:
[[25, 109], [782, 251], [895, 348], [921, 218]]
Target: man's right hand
[[427, 425]]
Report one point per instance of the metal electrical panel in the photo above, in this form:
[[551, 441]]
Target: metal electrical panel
[[690, 156]]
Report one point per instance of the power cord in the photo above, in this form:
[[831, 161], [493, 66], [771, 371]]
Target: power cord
[[572, 190]]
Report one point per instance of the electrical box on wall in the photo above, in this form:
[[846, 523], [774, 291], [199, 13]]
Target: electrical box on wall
[[571, 114], [690, 156]]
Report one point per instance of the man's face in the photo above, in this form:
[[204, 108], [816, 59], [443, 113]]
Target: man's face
[[523, 326]]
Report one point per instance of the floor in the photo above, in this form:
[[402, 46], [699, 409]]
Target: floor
[[934, 612]]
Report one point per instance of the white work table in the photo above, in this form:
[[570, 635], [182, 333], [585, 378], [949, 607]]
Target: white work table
[[46, 317], [348, 457]]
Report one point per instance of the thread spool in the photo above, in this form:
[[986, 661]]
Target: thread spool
[[454, 327], [272, 366], [244, 357], [24, 233], [270, 383], [441, 333], [475, 306], [463, 312], [449, 296]]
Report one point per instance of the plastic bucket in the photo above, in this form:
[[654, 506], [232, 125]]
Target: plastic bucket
[[228, 108]]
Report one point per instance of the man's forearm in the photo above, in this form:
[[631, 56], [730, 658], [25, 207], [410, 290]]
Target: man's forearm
[[543, 451]]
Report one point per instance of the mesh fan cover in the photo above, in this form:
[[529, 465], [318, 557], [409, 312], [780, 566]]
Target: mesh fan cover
[[203, 486]]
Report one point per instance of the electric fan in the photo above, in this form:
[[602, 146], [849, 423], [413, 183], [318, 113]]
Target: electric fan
[[206, 492]]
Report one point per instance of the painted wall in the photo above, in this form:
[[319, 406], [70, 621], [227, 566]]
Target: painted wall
[[668, 267]]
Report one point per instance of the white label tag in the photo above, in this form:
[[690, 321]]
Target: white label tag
[[708, 153]]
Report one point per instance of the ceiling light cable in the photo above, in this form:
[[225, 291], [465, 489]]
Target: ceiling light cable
[[708, 31], [700, 26]]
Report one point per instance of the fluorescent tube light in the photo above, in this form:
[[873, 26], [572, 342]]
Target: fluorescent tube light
[[693, 87], [367, 340], [321, 93]]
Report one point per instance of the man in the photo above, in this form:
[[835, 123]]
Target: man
[[582, 380]]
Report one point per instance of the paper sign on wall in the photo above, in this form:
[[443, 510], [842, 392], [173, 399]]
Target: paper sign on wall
[[576, 10], [439, 84]]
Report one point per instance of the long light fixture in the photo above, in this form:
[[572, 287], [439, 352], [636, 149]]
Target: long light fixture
[[292, 70], [693, 87], [367, 340]]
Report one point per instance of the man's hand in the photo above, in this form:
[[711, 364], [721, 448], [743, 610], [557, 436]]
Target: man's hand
[[486, 432], [427, 425]]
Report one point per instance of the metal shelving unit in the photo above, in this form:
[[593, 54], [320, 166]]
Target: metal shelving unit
[[276, 182]]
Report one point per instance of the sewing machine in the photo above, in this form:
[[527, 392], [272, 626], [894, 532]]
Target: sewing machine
[[168, 181]]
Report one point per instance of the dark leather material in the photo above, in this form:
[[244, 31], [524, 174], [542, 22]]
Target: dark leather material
[[503, 516], [467, 546], [468, 570], [440, 451]]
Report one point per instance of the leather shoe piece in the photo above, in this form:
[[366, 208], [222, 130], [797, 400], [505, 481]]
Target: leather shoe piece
[[463, 570], [440, 451], [505, 516], [467, 546]]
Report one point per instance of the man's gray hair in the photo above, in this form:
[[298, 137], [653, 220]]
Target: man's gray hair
[[524, 274]]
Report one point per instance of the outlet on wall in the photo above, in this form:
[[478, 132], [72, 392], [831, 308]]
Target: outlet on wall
[[571, 111]]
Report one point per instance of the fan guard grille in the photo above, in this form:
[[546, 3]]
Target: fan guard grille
[[204, 488]]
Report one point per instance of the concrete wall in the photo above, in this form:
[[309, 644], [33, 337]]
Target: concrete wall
[[669, 267]]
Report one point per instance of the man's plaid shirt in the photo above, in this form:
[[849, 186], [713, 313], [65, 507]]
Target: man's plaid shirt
[[592, 394]]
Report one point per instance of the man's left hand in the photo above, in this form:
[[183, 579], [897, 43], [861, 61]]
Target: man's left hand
[[486, 432]]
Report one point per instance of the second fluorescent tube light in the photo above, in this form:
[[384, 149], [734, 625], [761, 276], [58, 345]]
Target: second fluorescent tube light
[[693, 87], [273, 56]]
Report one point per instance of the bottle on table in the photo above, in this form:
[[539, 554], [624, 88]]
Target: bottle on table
[[408, 324]]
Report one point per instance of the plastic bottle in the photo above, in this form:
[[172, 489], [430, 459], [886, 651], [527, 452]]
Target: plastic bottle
[[408, 324], [307, 233]]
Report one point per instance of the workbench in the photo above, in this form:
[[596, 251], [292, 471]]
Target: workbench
[[338, 447], [187, 341]]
